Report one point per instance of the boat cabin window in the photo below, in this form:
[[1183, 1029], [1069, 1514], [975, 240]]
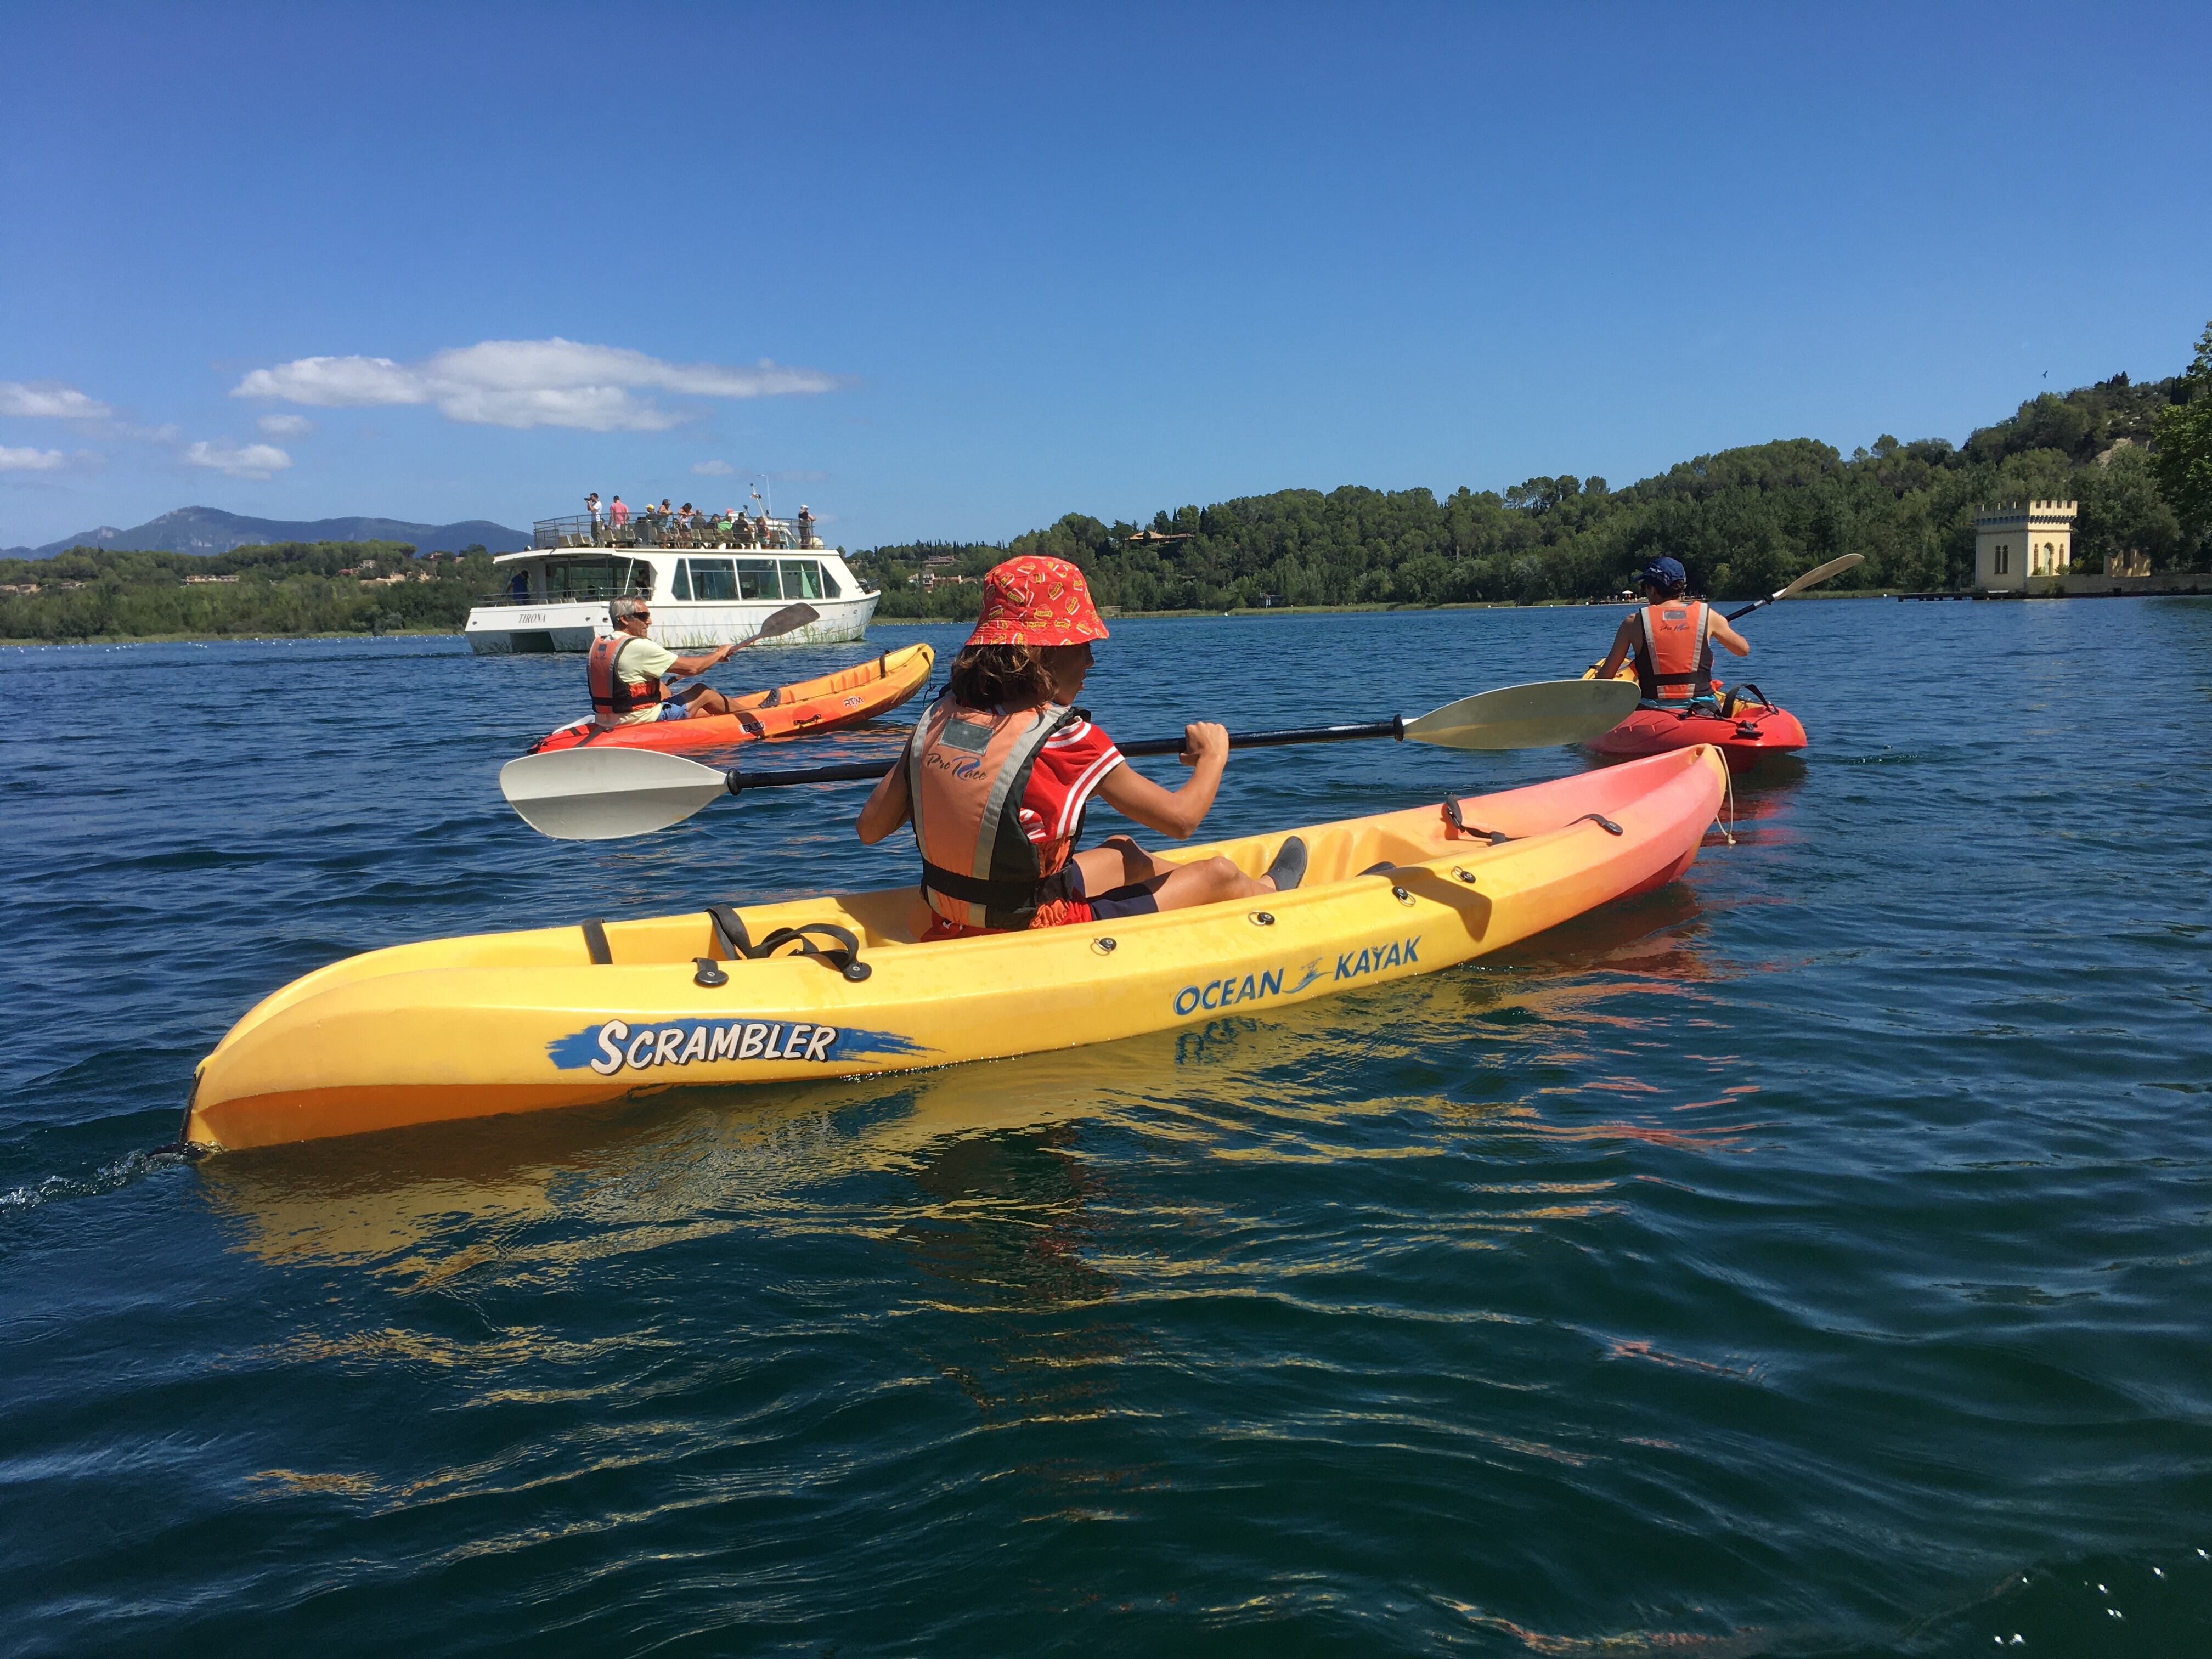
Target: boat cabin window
[[712, 579], [594, 578]]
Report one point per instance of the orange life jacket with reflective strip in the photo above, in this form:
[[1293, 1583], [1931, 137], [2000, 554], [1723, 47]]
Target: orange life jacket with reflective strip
[[1675, 652], [966, 770], [611, 697]]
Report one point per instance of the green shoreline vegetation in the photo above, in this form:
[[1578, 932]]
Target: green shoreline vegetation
[[284, 590], [2137, 456]]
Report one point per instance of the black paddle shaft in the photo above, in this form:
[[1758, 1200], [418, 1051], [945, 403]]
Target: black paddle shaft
[[860, 771]]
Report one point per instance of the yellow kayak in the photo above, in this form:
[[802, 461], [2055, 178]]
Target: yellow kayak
[[592, 1013]]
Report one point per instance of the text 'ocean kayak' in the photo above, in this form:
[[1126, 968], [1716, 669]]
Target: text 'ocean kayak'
[[570, 1016], [844, 698]]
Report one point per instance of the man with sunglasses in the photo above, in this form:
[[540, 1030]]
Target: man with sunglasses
[[626, 669]]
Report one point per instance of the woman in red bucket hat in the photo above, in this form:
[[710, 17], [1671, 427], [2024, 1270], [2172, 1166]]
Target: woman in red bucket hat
[[997, 774]]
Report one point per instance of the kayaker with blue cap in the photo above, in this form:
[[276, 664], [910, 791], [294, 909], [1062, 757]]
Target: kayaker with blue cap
[[1671, 640], [999, 771]]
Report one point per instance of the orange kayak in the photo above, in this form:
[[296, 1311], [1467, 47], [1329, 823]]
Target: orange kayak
[[845, 698]]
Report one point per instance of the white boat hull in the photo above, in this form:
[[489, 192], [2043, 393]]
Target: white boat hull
[[501, 629]]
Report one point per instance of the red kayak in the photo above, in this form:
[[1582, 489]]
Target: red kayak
[[1747, 728]]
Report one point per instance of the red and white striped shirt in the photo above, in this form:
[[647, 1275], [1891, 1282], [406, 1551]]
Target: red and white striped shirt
[[1070, 767]]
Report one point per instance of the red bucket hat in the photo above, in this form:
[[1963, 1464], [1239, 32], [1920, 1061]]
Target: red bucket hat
[[1035, 600]]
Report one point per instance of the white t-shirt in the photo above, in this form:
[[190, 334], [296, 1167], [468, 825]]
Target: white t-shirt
[[637, 662]]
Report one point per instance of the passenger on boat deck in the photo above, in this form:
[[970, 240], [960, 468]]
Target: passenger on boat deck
[[640, 662], [998, 773], [618, 512], [592, 506]]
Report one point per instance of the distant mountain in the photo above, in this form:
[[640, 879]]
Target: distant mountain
[[206, 529]]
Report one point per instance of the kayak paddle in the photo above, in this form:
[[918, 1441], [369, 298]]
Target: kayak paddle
[[603, 794], [1813, 578], [781, 621]]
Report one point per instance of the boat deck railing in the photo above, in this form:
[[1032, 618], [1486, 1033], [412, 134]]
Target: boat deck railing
[[578, 531]]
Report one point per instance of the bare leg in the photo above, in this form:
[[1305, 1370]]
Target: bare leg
[[1122, 863], [705, 700]]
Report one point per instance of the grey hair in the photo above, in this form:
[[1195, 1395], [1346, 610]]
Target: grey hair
[[629, 605]]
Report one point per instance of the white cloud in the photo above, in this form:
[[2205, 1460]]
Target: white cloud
[[32, 460], [50, 400], [237, 460], [286, 426], [712, 468], [528, 383]]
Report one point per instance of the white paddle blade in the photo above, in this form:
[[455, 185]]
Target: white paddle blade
[[604, 794], [1545, 714], [1820, 573], [783, 621]]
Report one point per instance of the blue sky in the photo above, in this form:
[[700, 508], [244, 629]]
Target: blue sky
[[951, 271]]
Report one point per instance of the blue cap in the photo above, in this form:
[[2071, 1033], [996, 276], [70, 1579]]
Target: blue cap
[[1665, 573]]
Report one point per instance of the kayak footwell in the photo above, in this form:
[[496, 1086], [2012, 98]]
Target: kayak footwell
[[524, 1022]]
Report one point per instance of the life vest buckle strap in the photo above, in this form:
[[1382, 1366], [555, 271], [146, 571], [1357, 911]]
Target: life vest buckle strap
[[997, 895]]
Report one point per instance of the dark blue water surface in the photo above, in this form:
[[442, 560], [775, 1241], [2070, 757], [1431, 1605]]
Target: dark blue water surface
[[1813, 1256]]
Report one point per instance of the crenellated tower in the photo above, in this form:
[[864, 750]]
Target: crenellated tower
[[2018, 542]]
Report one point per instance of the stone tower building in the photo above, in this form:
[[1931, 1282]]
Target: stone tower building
[[2016, 542]]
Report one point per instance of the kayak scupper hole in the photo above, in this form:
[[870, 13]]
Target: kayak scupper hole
[[1104, 946], [1401, 895], [1262, 919]]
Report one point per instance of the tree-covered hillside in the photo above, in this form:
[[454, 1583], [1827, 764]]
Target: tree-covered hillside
[[287, 587], [1744, 521], [2138, 458]]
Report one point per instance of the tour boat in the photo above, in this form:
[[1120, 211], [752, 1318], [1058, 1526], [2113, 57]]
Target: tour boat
[[705, 591]]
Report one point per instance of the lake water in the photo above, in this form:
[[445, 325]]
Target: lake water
[[1813, 1256]]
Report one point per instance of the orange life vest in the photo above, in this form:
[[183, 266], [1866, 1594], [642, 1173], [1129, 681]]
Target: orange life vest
[[612, 697], [966, 769], [1675, 652]]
